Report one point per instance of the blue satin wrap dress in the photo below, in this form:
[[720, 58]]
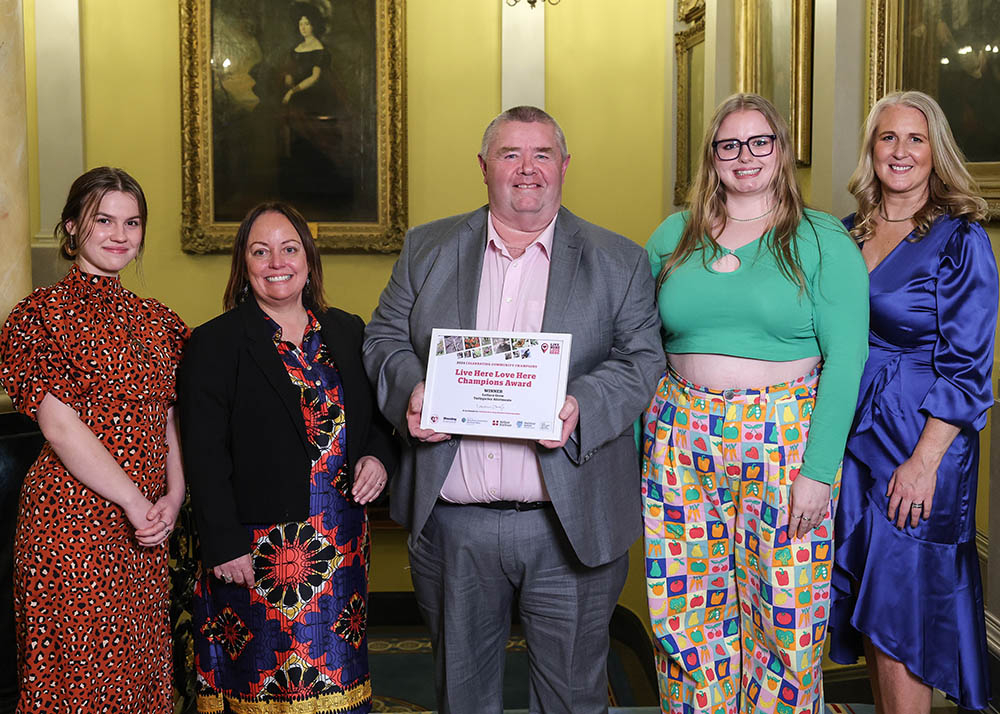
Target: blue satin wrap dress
[[916, 593]]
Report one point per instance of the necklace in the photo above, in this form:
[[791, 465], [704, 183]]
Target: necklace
[[881, 213], [768, 212]]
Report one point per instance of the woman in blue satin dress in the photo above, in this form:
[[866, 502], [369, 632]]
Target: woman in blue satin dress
[[907, 590]]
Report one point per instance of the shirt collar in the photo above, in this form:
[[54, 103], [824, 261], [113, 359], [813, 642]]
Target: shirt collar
[[312, 326], [543, 241]]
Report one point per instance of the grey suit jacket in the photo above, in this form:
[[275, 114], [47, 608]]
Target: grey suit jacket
[[601, 290]]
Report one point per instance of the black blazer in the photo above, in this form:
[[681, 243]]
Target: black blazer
[[242, 431]]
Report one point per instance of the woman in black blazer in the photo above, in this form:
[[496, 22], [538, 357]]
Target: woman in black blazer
[[283, 446]]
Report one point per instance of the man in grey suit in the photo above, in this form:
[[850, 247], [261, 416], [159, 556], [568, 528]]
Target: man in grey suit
[[499, 523]]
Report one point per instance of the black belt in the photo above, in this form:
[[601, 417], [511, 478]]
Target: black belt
[[504, 505]]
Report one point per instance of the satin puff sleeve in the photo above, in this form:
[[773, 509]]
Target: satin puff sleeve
[[966, 321], [38, 358]]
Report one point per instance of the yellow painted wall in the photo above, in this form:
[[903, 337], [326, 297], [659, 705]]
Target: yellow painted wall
[[606, 84]]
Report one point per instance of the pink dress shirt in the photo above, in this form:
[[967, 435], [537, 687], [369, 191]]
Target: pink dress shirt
[[511, 297]]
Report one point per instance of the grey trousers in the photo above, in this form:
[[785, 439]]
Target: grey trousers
[[470, 565]]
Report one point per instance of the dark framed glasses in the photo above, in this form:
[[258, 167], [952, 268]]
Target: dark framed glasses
[[730, 149]]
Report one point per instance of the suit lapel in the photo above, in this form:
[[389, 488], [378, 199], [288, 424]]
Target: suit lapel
[[563, 264], [265, 354], [471, 246]]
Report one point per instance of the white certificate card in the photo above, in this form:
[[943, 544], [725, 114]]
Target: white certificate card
[[496, 384]]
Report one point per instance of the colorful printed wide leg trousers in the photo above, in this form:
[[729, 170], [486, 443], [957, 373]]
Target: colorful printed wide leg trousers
[[738, 609]]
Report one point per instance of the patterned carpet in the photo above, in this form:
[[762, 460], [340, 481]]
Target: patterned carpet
[[402, 671], [391, 704], [402, 678]]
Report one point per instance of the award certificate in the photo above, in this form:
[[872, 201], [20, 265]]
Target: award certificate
[[496, 384]]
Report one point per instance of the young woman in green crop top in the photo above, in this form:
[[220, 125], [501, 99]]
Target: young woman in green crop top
[[765, 319]]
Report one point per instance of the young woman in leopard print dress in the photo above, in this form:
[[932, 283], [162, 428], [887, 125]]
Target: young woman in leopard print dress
[[94, 364]]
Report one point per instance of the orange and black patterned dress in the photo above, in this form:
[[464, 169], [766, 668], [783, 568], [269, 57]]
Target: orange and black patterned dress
[[91, 605]]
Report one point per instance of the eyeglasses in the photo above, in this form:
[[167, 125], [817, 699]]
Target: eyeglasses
[[731, 149]]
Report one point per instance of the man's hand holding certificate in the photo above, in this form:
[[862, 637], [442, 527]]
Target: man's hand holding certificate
[[496, 384]]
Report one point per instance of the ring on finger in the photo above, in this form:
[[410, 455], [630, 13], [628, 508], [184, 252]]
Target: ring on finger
[[917, 505], [227, 578]]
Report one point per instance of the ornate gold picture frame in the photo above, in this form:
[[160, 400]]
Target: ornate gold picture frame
[[690, 10], [296, 101], [775, 61], [690, 105], [951, 54]]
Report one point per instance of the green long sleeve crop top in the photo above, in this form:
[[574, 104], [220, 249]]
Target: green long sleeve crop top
[[756, 312]]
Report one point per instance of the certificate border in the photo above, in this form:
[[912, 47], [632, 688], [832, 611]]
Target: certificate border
[[431, 376]]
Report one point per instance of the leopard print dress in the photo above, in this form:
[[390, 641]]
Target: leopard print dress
[[91, 605]]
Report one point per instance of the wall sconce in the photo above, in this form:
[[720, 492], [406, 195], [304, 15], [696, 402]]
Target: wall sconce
[[512, 3]]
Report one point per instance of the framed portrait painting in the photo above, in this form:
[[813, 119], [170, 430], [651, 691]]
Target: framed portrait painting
[[950, 51], [294, 100], [775, 61]]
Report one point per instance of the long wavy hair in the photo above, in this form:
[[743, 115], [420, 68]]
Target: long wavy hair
[[238, 289], [951, 190], [707, 198]]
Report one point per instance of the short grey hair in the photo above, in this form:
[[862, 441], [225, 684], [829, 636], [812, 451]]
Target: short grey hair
[[526, 114]]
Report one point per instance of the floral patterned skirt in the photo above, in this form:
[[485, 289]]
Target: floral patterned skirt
[[295, 642]]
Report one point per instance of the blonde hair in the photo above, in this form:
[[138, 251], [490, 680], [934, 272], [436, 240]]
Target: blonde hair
[[951, 189], [707, 197]]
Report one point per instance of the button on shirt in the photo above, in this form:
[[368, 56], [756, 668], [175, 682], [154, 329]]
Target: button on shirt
[[511, 297]]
